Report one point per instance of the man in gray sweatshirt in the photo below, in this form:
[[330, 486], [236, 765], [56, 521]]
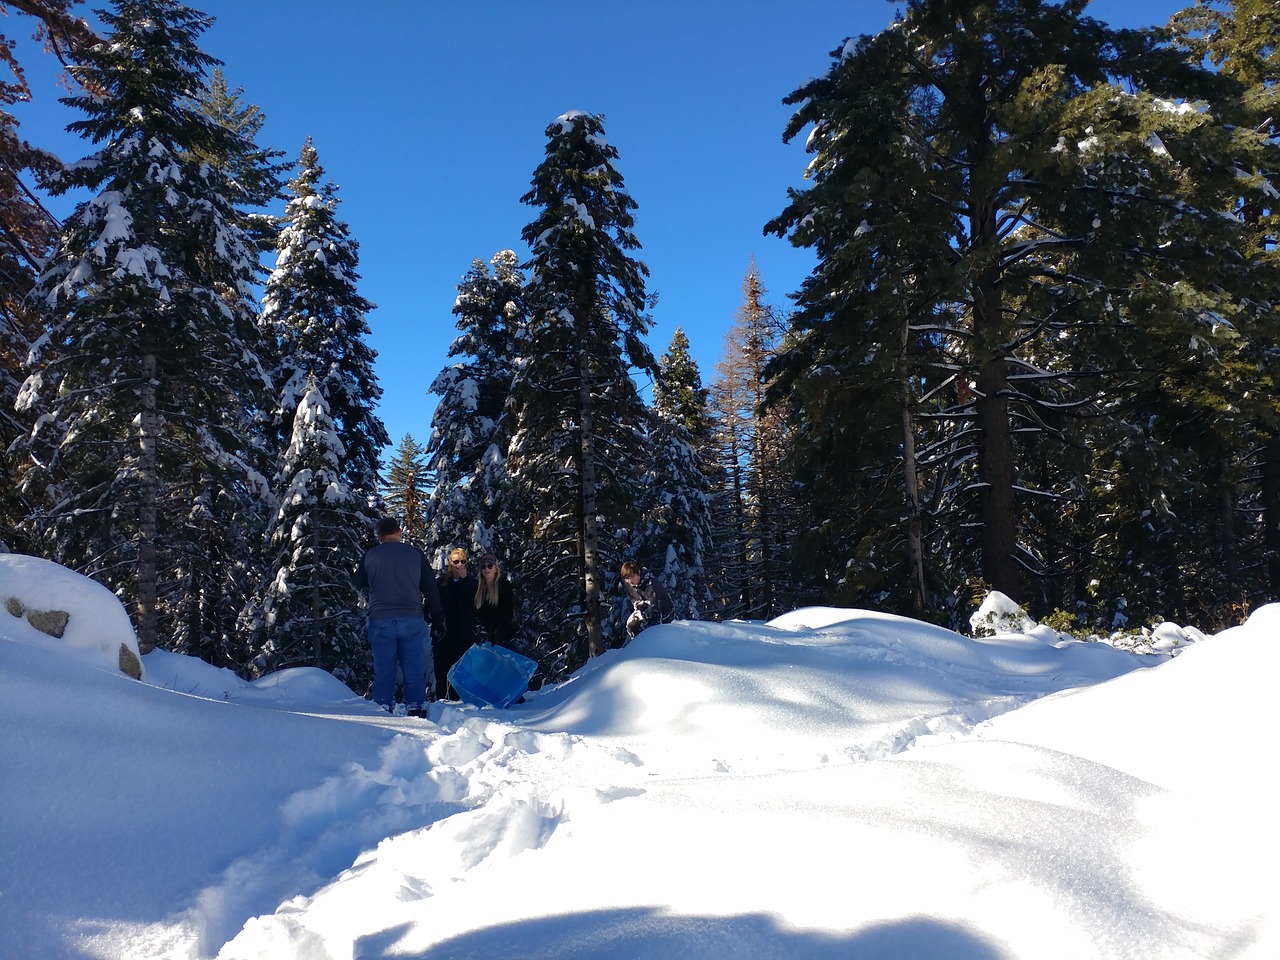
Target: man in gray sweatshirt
[[401, 590]]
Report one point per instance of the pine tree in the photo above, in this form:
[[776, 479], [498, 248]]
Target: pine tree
[[151, 369], [1242, 41], [579, 441], [1017, 184], [257, 173], [405, 491], [324, 510], [673, 537], [468, 445], [311, 610], [206, 596], [317, 319], [27, 236], [678, 393]]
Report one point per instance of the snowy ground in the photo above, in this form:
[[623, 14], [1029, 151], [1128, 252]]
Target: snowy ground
[[836, 783]]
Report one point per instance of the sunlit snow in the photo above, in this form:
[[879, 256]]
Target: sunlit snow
[[835, 783]]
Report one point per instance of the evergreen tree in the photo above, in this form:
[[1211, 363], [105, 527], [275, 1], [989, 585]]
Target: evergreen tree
[[1241, 38], [678, 393], [579, 440], [1016, 183], [725, 451], [404, 493], [151, 368], [673, 537], [228, 543], [317, 319], [467, 449], [256, 173], [311, 611], [27, 236]]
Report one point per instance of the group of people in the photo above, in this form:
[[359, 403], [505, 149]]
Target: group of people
[[404, 595]]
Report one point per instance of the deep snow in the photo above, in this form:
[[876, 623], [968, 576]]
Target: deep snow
[[834, 783]]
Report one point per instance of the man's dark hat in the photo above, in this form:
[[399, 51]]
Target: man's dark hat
[[387, 526]]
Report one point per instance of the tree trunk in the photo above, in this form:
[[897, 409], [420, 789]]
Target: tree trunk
[[148, 496], [995, 478], [910, 480], [317, 609], [590, 534], [1271, 511], [996, 515]]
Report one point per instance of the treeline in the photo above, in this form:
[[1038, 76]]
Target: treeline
[[1037, 353], [1039, 350]]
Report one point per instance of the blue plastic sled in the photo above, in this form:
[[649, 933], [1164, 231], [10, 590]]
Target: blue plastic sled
[[491, 676]]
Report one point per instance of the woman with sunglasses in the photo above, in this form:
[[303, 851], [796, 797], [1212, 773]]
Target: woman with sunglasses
[[495, 608], [457, 594]]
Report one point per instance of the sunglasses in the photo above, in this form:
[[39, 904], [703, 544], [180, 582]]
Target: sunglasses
[[460, 563], [488, 566]]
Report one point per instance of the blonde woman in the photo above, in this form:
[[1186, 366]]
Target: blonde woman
[[495, 607], [457, 594]]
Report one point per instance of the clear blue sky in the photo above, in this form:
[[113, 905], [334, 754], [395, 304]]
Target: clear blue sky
[[430, 118]]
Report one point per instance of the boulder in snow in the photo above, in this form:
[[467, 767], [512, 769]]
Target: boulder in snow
[[46, 605]]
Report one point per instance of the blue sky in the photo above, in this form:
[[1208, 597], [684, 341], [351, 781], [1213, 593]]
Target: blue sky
[[430, 118]]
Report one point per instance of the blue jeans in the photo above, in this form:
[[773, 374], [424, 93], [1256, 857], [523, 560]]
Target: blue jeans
[[403, 642]]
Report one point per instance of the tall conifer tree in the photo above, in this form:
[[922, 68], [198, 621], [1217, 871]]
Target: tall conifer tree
[[405, 492], [468, 444], [310, 613], [755, 509], [151, 370], [1019, 180], [27, 236], [317, 319], [580, 427], [1241, 38], [673, 536]]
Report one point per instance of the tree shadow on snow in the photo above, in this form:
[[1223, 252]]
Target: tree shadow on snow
[[652, 933]]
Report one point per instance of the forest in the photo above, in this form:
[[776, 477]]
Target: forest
[[1038, 352]]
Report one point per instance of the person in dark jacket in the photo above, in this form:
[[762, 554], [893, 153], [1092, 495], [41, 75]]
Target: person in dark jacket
[[458, 595], [398, 583], [495, 607], [649, 601]]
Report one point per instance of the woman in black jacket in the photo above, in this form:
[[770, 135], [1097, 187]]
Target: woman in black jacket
[[495, 608], [457, 590]]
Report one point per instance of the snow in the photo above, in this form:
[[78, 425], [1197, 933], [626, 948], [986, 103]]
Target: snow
[[833, 783]]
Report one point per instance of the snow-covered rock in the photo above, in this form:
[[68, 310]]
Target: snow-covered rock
[[46, 605]]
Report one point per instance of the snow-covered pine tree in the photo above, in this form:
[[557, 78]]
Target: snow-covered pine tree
[[404, 492], [311, 612], [579, 446], [678, 393], [673, 535], [228, 540], [1040, 185], [150, 370], [468, 445], [316, 319], [27, 235]]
